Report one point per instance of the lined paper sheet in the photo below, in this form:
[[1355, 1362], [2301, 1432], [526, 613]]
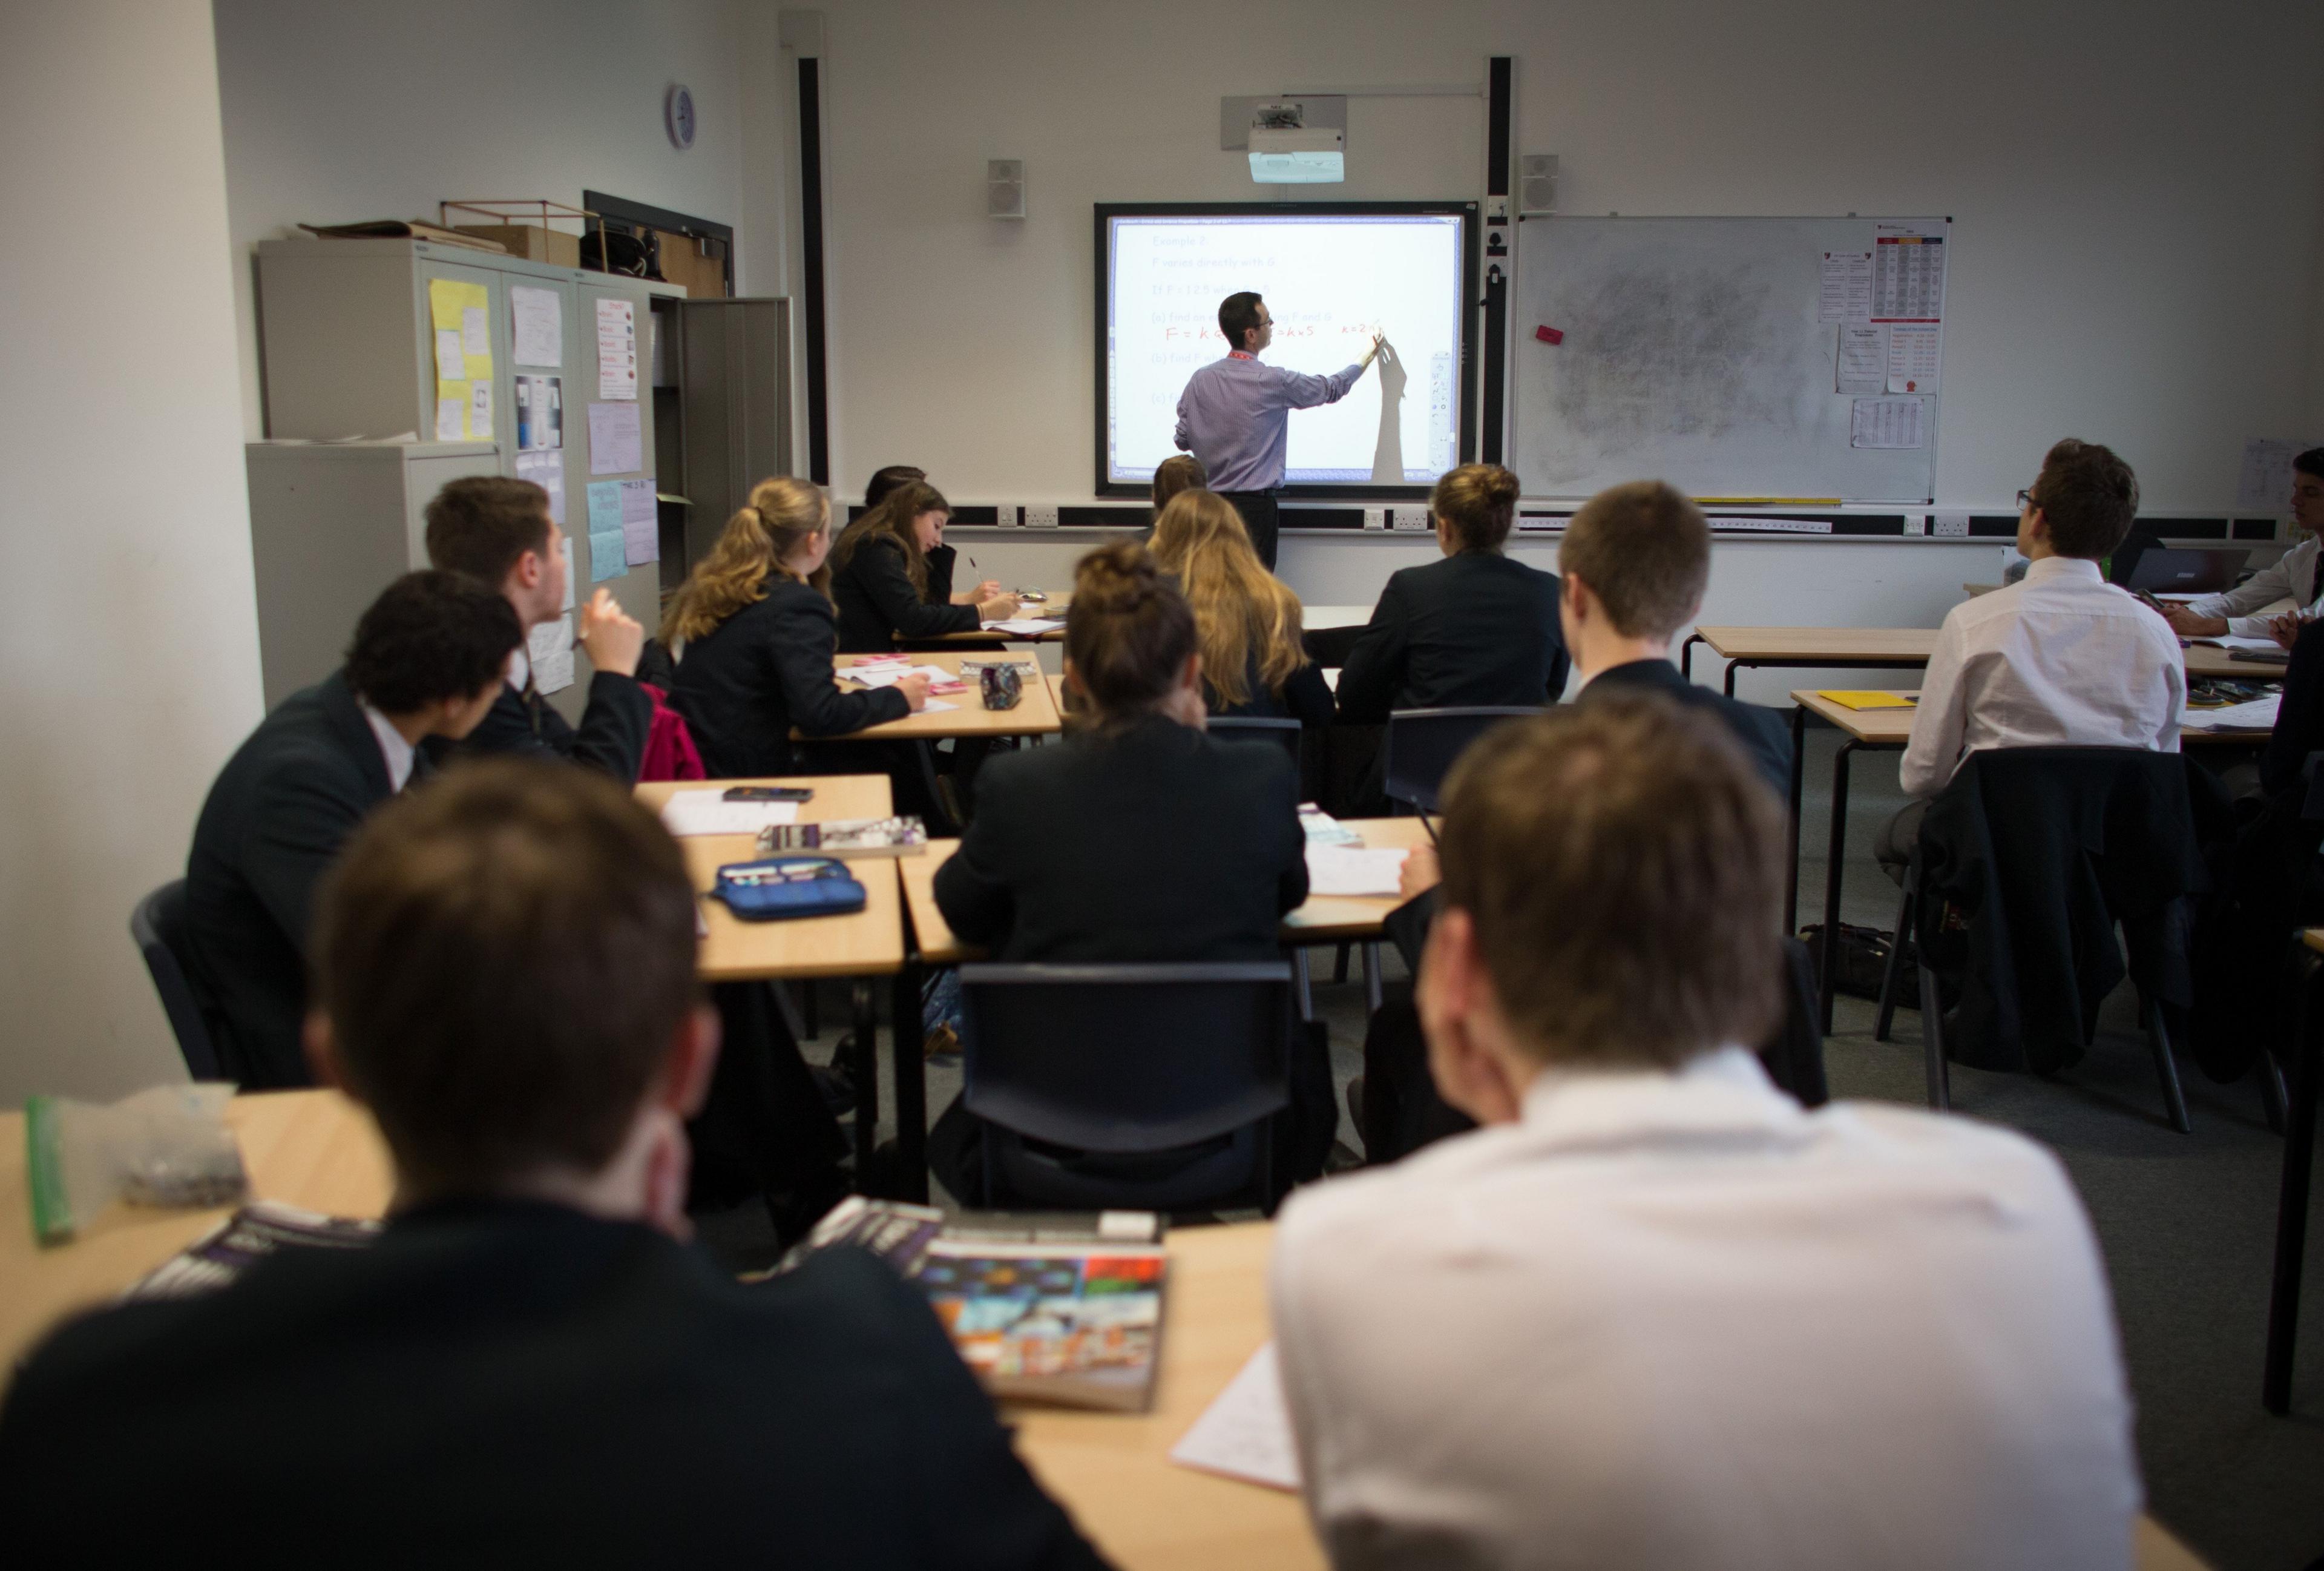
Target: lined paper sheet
[[709, 813], [1246, 1433]]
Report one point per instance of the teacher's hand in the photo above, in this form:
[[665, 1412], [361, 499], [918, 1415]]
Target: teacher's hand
[[1378, 339]]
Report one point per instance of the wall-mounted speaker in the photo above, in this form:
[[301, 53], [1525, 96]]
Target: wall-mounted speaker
[[1537, 183], [1004, 187]]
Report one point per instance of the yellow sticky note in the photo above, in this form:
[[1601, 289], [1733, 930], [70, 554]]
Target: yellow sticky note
[[465, 310], [1854, 698]]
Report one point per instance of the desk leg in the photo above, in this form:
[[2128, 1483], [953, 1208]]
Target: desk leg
[[865, 1067], [1371, 979], [1799, 774], [1732, 667], [1686, 655], [1302, 978], [907, 1054], [2291, 1200], [1838, 851]]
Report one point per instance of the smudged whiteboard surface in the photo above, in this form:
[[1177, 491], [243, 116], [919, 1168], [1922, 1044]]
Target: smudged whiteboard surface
[[1693, 353]]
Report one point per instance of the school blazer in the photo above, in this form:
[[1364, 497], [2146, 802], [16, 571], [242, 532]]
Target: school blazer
[[1150, 842], [1477, 628], [746, 682], [498, 1383], [274, 821], [612, 736], [1306, 696], [877, 607], [1762, 732]]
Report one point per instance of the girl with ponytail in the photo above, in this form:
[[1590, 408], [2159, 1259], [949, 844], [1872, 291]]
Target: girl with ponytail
[[755, 630]]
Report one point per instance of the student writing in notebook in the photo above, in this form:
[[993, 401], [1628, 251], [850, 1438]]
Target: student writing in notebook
[[1654, 1313], [891, 576], [498, 531], [1246, 619], [426, 661], [758, 632], [529, 1365]]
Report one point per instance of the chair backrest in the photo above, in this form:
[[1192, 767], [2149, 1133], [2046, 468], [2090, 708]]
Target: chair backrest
[[1422, 745], [1126, 1059], [158, 924], [1284, 732]]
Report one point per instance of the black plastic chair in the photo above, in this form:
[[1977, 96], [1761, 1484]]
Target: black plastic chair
[[1151, 1087], [1422, 745], [1285, 733], [158, 924]]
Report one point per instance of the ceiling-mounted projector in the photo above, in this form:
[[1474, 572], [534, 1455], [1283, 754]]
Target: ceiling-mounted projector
[[1284, 150]]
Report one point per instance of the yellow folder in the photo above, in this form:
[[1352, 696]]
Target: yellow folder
[[1852, 699]]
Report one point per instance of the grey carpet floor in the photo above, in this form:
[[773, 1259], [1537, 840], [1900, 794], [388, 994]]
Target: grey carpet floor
[[2186, 1222]]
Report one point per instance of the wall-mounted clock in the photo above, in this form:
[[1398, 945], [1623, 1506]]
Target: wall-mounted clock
[[678, 116]]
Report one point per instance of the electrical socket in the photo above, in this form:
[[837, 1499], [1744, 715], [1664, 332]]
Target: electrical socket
[[1374, 518], [1412, 520], [1949, 525], [1041, 515]]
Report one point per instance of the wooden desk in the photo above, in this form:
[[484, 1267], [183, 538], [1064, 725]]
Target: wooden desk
[[1035, 713], [1051, 608], [1873, 731], [859, 945], [1112, 1471], [1888, 647]]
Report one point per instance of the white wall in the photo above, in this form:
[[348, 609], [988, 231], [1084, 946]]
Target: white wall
[[341, 112], [130, 645], [2135, 189]]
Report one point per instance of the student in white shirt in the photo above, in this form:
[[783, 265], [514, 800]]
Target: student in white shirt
[[2293, 575], [2063, 658], [1654, 1314]]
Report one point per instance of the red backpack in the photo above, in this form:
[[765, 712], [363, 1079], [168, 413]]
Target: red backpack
[[670, 752]]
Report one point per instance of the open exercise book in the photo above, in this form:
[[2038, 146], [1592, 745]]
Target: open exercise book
[[1063, 1310]]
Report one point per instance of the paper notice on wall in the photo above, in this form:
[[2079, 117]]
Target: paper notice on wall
[[480, 411], [547, 470], [1908, 275], [539, 323], [1887, 422], [617, 350], [616, 438], [1844, 291], [1915, 355], [1863, 366], [2264, 483], [605, 548], [641, 523], [451, 363], [451, 412], [550, 647]]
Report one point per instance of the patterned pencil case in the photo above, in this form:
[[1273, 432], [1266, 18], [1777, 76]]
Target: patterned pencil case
[[780, 887]]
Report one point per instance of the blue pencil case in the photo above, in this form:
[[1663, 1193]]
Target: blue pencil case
[[781, 887]]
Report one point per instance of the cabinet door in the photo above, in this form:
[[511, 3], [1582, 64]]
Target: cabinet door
[[609, 440]]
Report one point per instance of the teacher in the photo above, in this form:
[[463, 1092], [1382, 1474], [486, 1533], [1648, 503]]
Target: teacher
[[1235, 415]]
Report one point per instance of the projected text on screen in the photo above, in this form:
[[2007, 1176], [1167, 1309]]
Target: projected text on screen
[[1330, 280]]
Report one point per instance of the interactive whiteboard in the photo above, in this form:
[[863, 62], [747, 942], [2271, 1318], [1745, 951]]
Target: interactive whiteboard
[[1331, 273], [1785, 358]]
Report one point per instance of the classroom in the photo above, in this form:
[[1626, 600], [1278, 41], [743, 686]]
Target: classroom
[[1063, 784]]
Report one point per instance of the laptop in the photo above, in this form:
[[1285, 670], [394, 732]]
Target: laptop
[[2187, 569]]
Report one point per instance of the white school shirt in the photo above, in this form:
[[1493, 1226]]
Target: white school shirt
[[2291, 578], [1673, 1320], [2062, 659], [393, 748]]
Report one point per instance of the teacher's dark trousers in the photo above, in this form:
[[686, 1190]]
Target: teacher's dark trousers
[[1261, 518]]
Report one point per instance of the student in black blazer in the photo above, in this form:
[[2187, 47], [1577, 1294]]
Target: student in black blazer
[[426, 661], [758, 635], [530, 1365], [1246, 619], [1476, 628], [498, 531], [1141, 838], [891, 576], [1636, 561]]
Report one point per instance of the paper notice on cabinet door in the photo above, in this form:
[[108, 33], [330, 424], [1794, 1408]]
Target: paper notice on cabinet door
[[480, 411], [1863, 359], [1915, 355], [1844, 291], [550, 647], [1887, 422], [616, 438], [547, 470], [641, 523], [539, 316], [451, 361], [617, 350], [476, 329], [605, 548], [449, 413]]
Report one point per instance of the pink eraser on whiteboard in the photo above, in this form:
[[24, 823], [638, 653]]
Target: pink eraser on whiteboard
[[1549, 335]]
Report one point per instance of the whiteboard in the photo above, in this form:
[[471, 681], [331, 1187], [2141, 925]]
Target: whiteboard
[[1694, 352]]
